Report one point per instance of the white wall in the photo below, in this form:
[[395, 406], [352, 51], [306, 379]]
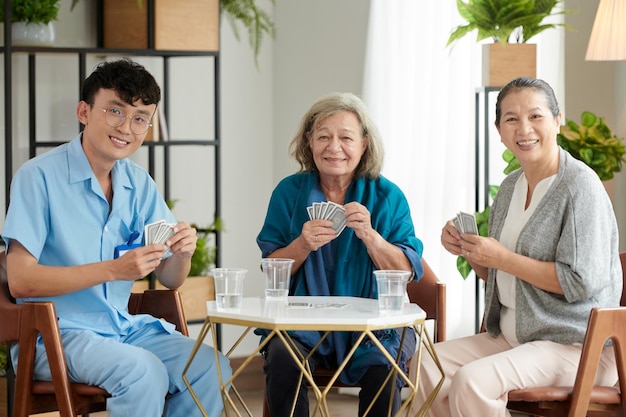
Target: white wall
[[319, 48]]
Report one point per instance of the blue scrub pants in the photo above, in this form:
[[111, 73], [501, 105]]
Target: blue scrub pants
[[140, 369]]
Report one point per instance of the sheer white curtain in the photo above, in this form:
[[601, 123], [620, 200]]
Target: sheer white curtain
[[421, 94]]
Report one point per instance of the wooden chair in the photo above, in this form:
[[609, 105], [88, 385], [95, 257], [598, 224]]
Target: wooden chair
[[22, 323], [429, 293], [585, 399]]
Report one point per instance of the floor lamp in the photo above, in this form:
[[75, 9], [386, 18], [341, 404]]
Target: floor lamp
[[608, 43], [608, 36]]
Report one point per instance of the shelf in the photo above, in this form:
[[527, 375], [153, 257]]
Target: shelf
[[154, 144], [105, 51], [7, 50], [162, 159]]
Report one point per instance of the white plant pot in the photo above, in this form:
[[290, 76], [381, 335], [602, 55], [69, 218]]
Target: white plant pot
[[32, 34]]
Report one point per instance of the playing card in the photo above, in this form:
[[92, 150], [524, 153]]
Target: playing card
[[332, 207], [328, 210], [165, 232], [468, 221], [150, 231], [316, 210], [341, 226], [323, 210], [338, 219], [457, 223], [333, 306]]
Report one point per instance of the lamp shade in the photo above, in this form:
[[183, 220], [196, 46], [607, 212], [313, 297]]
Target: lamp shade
[[608, 36]]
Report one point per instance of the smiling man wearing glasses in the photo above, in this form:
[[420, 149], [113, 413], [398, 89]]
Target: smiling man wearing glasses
[[73, 211]]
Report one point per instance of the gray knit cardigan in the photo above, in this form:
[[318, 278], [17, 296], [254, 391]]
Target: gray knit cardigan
[[574, 226]]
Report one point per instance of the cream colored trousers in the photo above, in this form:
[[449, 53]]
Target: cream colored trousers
[[480, 370]]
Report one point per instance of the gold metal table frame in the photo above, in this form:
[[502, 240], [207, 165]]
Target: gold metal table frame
[[360, 315]]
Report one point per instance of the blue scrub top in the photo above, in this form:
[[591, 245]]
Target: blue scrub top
[[59, 213]]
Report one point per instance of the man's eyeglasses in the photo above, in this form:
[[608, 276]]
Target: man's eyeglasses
[[115, 117]]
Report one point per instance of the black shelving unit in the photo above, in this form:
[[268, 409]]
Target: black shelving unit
[[165, 147], [8, 51], [482, 137]]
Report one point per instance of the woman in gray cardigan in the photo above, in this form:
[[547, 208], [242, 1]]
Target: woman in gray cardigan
[[551, 255]]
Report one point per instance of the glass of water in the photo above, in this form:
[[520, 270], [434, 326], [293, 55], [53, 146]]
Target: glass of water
[[277, 277], [228, 287], [391, 289]]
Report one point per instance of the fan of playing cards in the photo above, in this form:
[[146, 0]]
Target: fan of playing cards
[[327, 210], [158, 232], [465, 223]]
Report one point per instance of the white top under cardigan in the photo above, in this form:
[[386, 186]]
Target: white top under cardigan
[[513, 224]]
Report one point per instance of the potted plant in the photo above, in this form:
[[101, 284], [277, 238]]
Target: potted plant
[[591, 142], [32, 21], [205, 255], [510, 24]]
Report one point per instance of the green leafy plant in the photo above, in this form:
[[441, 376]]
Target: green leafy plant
[[592, 142], [205, 255], [257, 22], [505, 21], [32, 11]]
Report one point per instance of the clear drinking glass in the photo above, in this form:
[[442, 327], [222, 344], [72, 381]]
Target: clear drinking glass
[[228, 287], [391, 289], [277, 277]]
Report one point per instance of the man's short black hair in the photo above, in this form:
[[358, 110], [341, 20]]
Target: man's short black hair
[[130, 80]]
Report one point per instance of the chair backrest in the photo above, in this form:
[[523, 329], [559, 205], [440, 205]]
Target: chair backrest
[[604, 324], [163, 304], [576, 401], [430, 294]]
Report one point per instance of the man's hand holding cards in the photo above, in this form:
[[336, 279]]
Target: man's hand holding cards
[[158, 232], [327, 210], [465, 223]]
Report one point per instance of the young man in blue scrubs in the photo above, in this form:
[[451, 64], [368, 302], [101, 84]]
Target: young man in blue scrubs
[[73, 211]]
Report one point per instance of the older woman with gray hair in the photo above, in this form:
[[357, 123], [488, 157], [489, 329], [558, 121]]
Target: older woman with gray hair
[[340, 154]]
